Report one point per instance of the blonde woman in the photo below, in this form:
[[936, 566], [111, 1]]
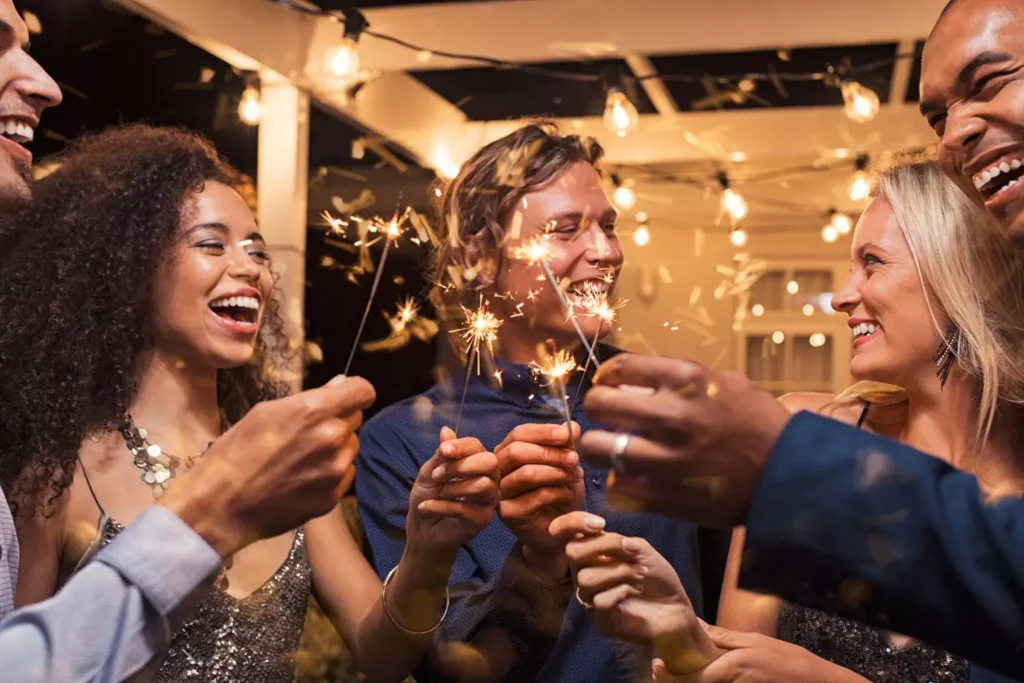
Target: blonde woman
[[935, 306]]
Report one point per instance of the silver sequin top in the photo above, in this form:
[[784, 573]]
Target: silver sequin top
[[248, 640]]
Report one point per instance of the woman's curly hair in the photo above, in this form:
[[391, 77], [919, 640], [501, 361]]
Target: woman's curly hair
[[77, 270]]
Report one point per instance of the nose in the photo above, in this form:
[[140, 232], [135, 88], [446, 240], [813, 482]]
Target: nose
[[847, 298], [602, 248], [35, 85], [963, 131], [243, 267]]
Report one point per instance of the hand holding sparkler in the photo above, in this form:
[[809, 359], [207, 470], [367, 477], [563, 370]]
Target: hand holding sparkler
[[540, 480]]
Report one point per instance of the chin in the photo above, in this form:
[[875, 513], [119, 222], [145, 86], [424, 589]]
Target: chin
[[230, 356]]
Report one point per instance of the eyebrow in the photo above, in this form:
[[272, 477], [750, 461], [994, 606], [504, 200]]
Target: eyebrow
[[8, 34], [966, 75], [577, 216], [867, 246], [222, 228]]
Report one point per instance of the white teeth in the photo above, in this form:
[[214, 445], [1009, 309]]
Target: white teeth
[[16, 130], [994, 171], [864, 329], [1015, 164], [237, 302], [1004, 167]]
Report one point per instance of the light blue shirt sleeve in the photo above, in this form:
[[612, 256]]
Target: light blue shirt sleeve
[[116, 616]]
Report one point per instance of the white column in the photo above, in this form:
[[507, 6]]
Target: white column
[[281, 186]]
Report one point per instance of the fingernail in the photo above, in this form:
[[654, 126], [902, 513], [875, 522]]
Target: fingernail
[[631, 546], [447, 449], [438, 473], [574, 458], [422, 506], [640, 570], [338, 379], [593, 523]]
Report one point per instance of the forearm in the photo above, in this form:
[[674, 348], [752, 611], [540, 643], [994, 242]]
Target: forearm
[[118, 613]]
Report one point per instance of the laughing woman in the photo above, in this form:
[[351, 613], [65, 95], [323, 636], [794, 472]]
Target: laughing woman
[[139, 301]]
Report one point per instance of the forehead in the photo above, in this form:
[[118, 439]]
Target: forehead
[[218, 203], [12, 22], [879, 226], [577, 189], [969, 29]]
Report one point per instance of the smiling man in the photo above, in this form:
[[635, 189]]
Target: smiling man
[[972, 94]]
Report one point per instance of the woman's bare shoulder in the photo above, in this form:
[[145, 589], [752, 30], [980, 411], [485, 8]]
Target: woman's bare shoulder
[[823, 404]]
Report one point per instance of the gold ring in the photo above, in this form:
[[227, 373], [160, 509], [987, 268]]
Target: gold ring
[[586, 605], [619, 450]]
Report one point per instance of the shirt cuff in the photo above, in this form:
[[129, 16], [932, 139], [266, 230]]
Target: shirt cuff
[[164, 558]]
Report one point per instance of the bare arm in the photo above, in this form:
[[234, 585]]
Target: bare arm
[[740, 610]]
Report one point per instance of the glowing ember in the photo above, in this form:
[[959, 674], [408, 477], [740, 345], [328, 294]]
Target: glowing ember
[[556, 367], [593, 301], [336, 224], [481, 328], [406, 313], [533, 251]]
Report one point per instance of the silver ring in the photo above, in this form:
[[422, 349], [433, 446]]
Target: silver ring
[[619, 450], [583, 603]]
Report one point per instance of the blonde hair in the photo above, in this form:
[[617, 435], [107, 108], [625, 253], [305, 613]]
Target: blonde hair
[[970, 273]]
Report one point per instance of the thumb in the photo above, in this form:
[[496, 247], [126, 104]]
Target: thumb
[[447, 434], [726, 639]]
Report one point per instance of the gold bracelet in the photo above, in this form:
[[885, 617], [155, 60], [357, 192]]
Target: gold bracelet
[[391, 617]]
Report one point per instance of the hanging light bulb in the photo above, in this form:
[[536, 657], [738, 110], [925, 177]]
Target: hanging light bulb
[[733, 202], [859, 102], [623, 196], [829, 233], [841, 222], [738, 237], [642, 236], [620, 116], [341, 61], [249, 105], [860, 184]]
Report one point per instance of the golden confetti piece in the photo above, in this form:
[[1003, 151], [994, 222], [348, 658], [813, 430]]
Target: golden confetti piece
[[695, 295], [515, 226], [313, 353], [663, 272]]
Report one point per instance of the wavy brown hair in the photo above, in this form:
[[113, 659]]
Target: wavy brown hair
[[77, 269], [474, 209]]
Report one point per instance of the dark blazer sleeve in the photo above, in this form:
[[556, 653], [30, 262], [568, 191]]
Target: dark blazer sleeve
[[864, 527]]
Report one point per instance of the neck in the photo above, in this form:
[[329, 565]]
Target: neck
[[521, 344], [944, 422], [177, 404]]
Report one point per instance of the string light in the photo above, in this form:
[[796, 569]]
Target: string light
[[642, 236], [641, 216], [792, 286], [859, 102], [757, 310], [623, 196], [249, 108], [341, 61], [778, 336], [733, 202], [829, 234], [860, 183], [738, 237], [841, 222], [808, 310], [817, 339], [620, 116]]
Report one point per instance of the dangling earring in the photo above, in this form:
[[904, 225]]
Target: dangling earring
[[946, 355]]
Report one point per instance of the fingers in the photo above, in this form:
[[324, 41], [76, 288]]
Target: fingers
[[480, 464], [642, 456], [609, 599], [651, 371], [447, 434], [541, 434], [662, 414], [575, 523], [337, 397], [530, 503], [726, 639], [479, 515], [593, 581], [530, 477], [478, 490], [520, 453], [585, 551], [459, 448]]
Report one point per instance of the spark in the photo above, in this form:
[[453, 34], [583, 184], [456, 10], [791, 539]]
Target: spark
[[534, 251], [593, 301], [407, 311], [556, 367], [497, 376], [481, 327], [519, 311], [336, 224]]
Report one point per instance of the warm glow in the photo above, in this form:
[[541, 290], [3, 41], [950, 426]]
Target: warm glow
[[829, 233], [620, 116], [734, 204], [778, 337], [557, 367], [738, 237], [624, 197], [860, 103], [817, 339], [249, 106], [342, 60], [642, 236], [534, 251], [842, 223], [641, 216], [808, 310], [738, 157], [860, 186], [792, 286], [757, 310]]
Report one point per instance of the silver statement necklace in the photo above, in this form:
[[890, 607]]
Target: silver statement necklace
[[158, 467]]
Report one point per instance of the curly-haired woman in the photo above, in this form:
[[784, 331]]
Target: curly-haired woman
[[140, 320]]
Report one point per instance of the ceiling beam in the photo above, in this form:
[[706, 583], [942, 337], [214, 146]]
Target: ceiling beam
[[655, 88], [901, 71]]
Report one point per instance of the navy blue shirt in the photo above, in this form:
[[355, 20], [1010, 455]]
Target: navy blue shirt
[[498, 606]]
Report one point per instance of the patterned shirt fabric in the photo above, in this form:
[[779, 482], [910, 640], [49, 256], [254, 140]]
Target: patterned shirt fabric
[[9, 553], [117, 614], [498, 606]]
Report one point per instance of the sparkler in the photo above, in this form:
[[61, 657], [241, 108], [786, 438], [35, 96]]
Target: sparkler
[[593, 301], [537, 251], [391, 231], [481, 327], [555, 367]]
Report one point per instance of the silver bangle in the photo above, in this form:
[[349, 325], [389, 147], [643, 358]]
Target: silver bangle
[[391, 617]]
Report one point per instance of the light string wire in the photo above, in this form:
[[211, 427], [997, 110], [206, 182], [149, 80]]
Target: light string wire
[[846, 73]]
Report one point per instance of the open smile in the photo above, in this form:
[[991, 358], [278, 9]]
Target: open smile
[[237, 313]]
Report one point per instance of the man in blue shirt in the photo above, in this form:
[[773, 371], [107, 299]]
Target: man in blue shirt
[[534, 193]]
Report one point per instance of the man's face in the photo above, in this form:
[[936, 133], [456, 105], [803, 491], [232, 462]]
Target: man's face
[[972, 93], [25, 91]]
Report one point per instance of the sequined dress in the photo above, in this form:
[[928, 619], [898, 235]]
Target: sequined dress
[[865, 650], [232, 640]]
